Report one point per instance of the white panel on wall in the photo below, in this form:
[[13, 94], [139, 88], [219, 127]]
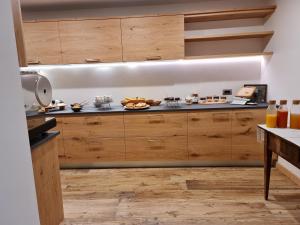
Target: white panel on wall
[[75, 83]]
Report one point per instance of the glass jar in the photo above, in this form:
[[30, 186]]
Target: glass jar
[[295, 115], [282, 114], [271, 116]]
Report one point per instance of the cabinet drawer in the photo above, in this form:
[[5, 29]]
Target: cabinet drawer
[[74, 125], [98, 150], [290, 152], [208, 151], [244, 126], [248, 152], [156, 149], [210, 127], [105, 126], [156, 125]]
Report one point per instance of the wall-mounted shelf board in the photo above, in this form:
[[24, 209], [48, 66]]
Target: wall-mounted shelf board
[[230, 55], [265, 34], [230, 14]]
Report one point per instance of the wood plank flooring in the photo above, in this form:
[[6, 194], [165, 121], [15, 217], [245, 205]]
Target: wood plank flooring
[[181, 196]]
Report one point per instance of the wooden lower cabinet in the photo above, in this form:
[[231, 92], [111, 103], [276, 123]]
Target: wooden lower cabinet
[[156, 148], [47, 183], [211, 136]]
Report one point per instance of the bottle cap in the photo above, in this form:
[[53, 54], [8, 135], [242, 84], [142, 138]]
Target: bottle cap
[[272, 102], [296, 102], [283, 102]]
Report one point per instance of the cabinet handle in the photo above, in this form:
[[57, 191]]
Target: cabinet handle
[[156, 144], [220, 117], [34, 62], [154, 58], [96, 122], [156, 119], [92, 60], [195, 119], [244, 117]]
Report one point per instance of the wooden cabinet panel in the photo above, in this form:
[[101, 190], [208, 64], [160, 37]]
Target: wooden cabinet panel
[[105, 126], [209, 135], [92, 139], [90, 41], [244, 131], [42, 43], [59, 139], [98, 150], [155, 124], [156, 149], [153, 38], [47, 183]]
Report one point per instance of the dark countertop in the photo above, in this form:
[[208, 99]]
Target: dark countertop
[[161, 108], [45, 137]]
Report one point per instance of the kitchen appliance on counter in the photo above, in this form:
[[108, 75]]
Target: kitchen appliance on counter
[[37, 93], [260, 93]]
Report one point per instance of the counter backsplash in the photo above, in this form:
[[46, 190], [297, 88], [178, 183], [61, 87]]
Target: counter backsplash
[[75, 83]]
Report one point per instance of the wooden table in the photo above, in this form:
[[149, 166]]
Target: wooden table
[[283, 142]]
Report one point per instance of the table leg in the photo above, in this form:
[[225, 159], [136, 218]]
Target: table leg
[[267, 166]]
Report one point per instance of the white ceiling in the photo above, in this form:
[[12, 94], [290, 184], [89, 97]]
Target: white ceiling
[[99, 3]]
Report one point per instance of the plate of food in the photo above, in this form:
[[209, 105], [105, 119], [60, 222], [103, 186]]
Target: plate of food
[[136, 106]]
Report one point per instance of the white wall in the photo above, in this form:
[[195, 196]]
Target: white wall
[[93, 11], [17, 192], [282, 71]]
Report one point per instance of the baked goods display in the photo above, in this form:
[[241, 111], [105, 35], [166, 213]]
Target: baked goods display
[[136, 106], [139, 103], [135, 103]]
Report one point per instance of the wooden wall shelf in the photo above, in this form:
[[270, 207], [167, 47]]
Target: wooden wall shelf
[[265, 34], [230, 14], [230, 55]]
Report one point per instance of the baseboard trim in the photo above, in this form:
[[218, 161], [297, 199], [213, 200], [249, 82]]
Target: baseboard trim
[[288, 173]]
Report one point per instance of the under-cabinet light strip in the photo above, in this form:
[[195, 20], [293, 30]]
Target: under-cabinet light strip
[[152, 63]]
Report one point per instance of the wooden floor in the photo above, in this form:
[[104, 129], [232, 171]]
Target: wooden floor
[[204, 196]]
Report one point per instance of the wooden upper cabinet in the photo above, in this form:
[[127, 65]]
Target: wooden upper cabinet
[[42, 43], [91, 41], [153, 38]]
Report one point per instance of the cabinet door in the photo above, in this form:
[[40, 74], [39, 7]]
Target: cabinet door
[[42, 43], [156, 149], [91, 41], [209, 136], [153, 38], [47, 183], [244, 129]]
